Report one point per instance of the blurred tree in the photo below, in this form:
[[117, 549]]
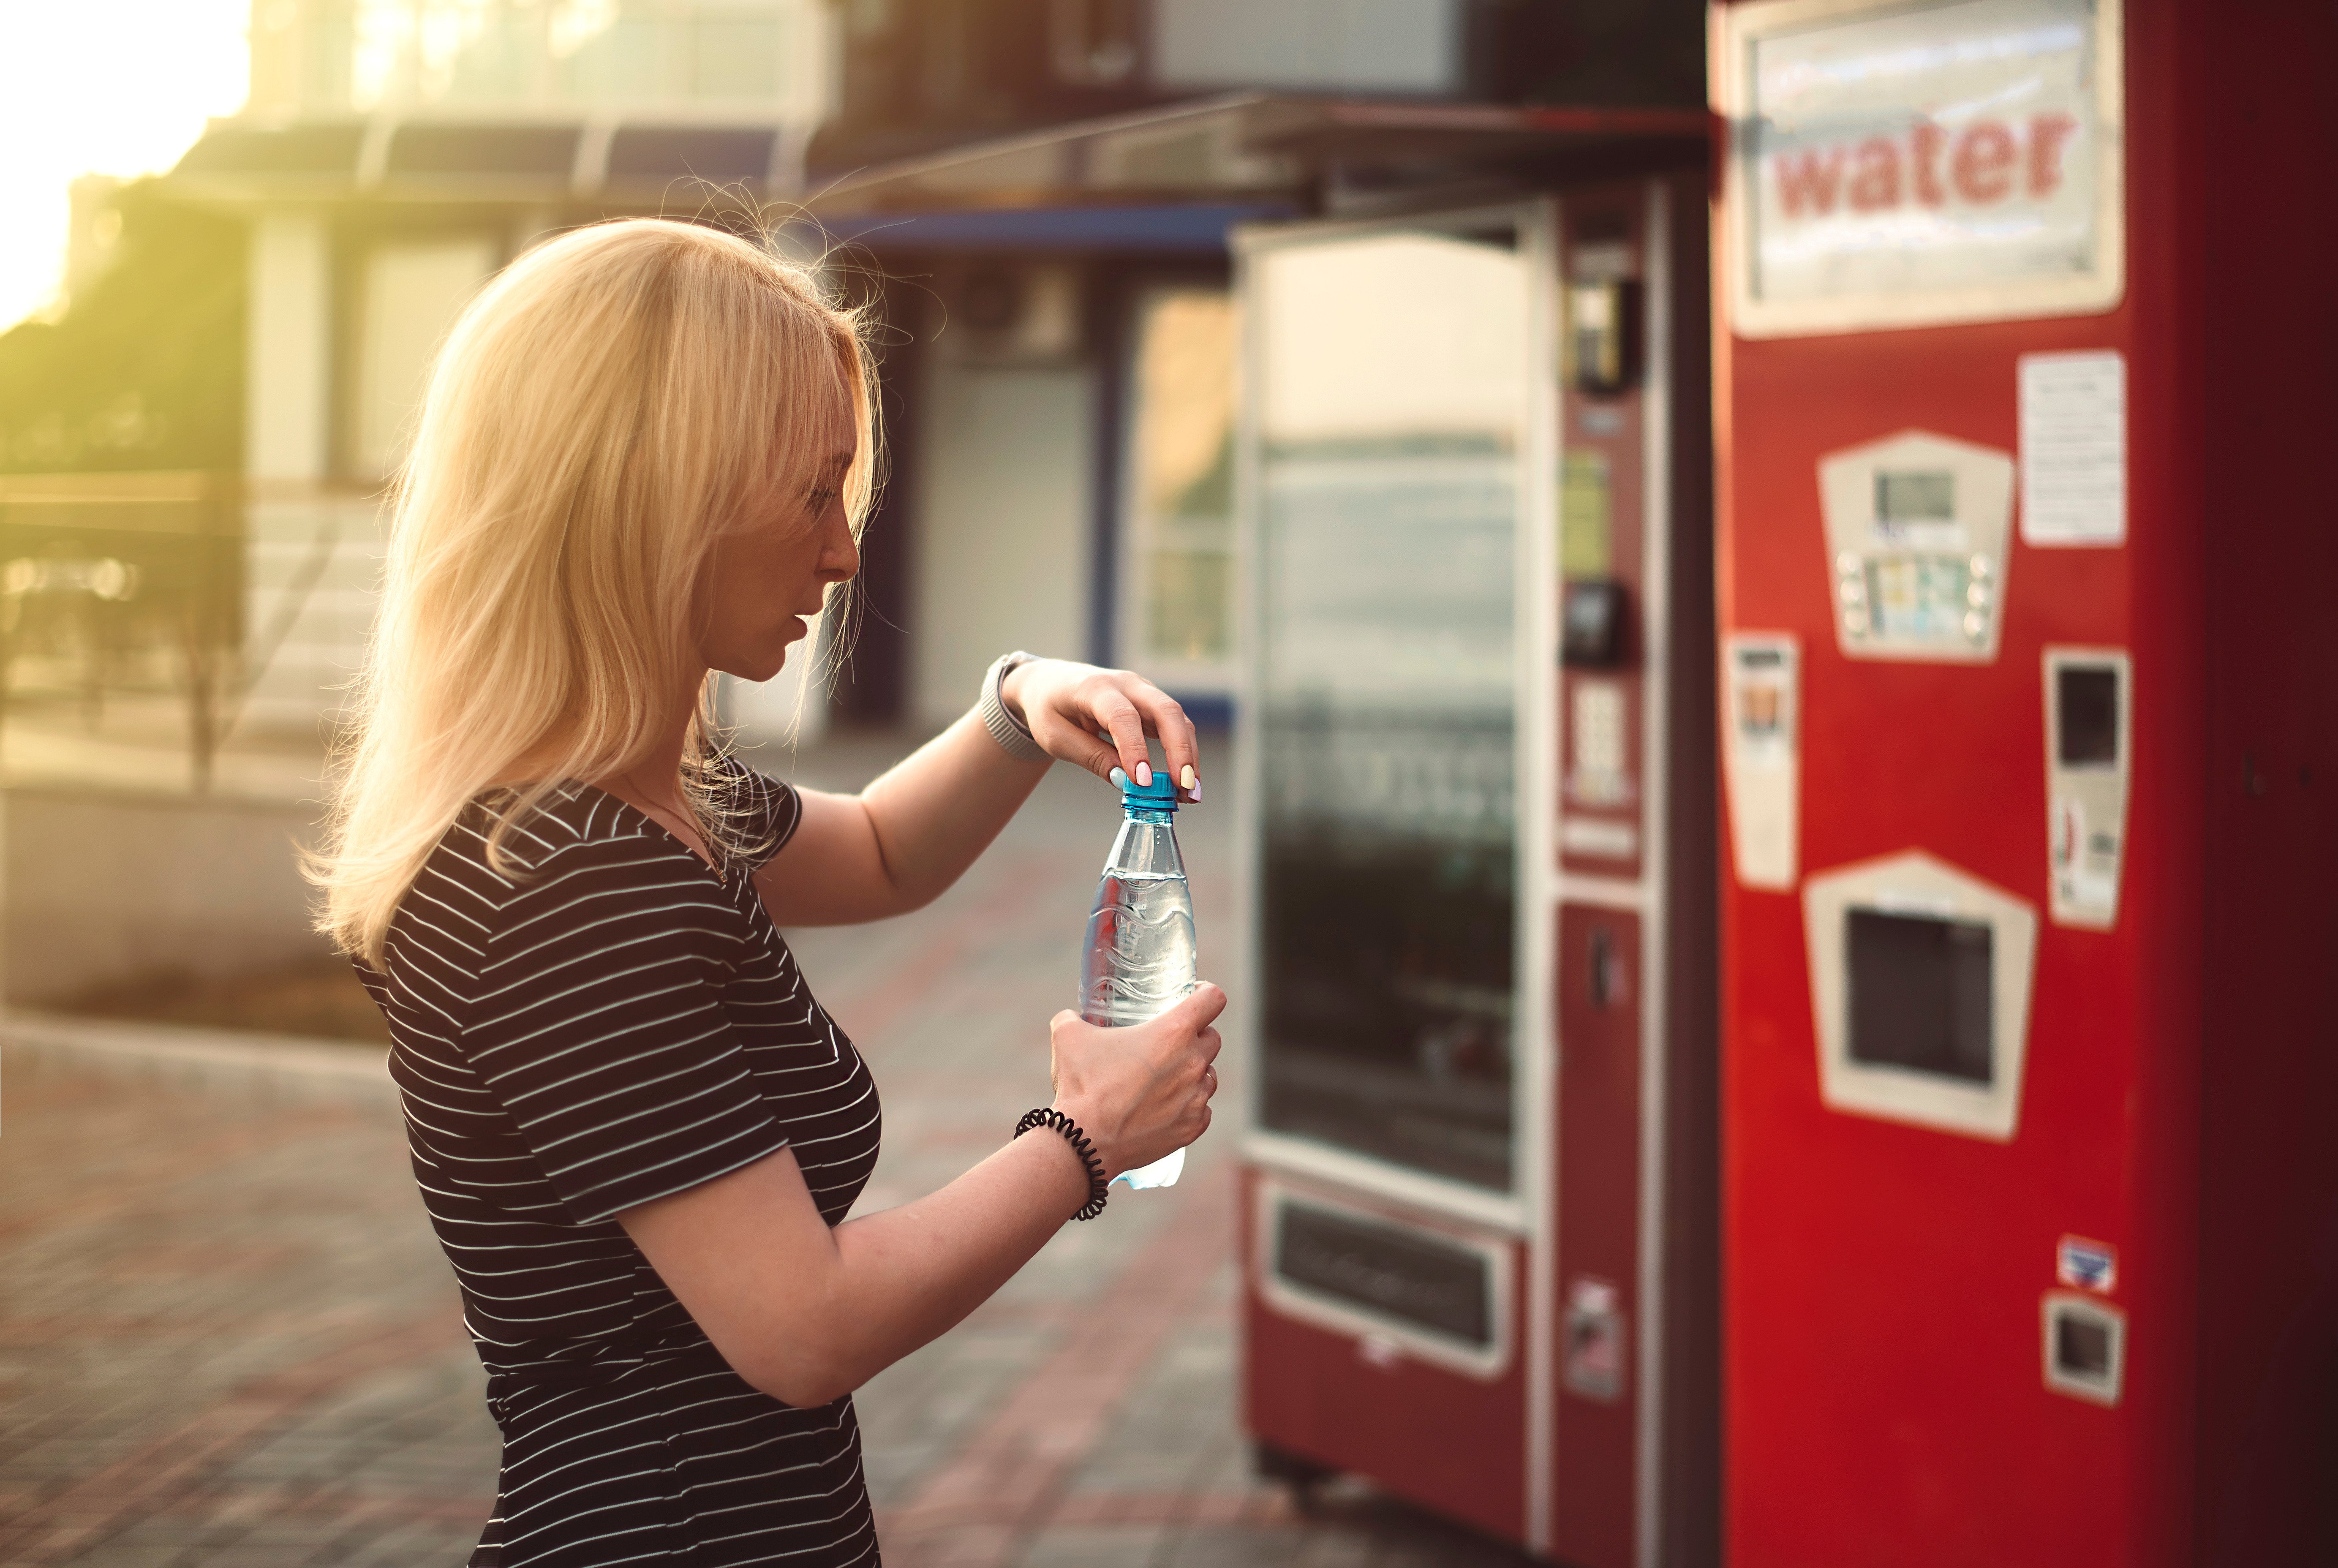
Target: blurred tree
[[144, 368]]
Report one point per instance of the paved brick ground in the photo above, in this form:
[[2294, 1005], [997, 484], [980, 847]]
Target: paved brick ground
[[227, 1338]]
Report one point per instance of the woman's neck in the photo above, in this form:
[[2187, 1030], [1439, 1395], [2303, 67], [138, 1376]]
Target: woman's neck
[[653, 780]]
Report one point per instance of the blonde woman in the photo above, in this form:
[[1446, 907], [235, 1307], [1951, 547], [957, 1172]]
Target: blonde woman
[[644, 457]]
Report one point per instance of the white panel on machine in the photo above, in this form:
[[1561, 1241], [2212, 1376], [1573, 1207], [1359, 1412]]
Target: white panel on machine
[[1916, 534], [2089, 697], [1762, 755], [1919, 982], [1441, 1294]]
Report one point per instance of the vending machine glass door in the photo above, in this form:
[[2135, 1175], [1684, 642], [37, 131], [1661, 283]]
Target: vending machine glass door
[[1391, 368]]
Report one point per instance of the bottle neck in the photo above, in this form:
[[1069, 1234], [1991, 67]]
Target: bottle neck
[[1147, 846]]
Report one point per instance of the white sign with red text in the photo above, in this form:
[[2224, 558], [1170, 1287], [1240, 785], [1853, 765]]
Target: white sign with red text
[[1944, 162]]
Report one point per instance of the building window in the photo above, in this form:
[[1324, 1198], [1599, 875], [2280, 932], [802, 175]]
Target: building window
[[1178, 598]]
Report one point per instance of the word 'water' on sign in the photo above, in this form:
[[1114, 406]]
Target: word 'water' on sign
[[1986, 163], [1930, 152]]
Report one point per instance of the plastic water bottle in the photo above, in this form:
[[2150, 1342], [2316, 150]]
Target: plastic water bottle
[[1140, 951]]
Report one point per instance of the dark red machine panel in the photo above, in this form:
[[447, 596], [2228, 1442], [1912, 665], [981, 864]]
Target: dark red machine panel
[[1918, 1313], [1595, 1458], [1444, 1439]]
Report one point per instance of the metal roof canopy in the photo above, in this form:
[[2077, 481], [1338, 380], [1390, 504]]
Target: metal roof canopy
[[1246, 149], [1241, 150], [1196, 228], [553, 158]]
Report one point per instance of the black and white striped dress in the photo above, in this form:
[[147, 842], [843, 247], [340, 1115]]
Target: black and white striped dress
[[616, 1022]]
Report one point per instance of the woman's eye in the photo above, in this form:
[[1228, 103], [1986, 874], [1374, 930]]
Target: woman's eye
[[818, 499]]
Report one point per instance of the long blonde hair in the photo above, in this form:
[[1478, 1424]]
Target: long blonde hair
[[599, 414]]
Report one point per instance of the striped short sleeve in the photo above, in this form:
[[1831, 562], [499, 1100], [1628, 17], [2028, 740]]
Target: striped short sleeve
[[763, 811], [599, 1025]]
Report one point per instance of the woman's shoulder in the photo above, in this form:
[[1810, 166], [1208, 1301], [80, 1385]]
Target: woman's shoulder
[[756, 813], [531, 836], [503, 852]]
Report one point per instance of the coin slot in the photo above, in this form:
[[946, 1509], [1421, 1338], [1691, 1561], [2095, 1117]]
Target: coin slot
[[2085, 1347]]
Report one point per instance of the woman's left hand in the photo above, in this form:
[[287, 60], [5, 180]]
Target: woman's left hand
[[1069, 705]]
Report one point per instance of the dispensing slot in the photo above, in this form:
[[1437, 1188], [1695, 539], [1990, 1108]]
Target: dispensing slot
[[2085, 1347], [1417, 1279], [1919, 987], [1921, 994]]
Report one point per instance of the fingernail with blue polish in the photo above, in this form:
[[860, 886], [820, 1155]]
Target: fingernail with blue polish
[[1119, 780], [1145, 775]]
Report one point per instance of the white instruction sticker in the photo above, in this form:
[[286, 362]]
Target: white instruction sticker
[[2074, 448]]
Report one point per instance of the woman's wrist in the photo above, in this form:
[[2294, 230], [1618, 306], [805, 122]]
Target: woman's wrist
[[1094, 1178], [1003, 716], [1010, 693], [1070, 1164], [1091, 1125]]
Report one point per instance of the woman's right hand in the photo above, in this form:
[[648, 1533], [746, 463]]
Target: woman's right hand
[[1141, 1091]]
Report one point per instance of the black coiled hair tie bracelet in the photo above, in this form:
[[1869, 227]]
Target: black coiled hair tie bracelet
[[1097, 1186]]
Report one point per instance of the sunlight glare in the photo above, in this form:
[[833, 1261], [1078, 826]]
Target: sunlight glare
[[99, 86]]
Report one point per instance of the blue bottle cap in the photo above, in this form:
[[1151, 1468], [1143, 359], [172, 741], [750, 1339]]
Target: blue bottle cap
[[1161, 795]]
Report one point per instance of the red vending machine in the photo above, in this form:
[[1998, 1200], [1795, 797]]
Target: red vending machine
[[1476, 742], [2023, 396]]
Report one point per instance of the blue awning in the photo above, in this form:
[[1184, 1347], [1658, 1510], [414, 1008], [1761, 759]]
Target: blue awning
[[1195, 228]]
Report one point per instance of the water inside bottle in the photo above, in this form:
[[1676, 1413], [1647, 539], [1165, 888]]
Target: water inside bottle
[[1140, 955], [1140, 948]]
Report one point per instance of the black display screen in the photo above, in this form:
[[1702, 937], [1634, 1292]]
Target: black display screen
[[1920, 993], [1400, 1274], [2087, 698]]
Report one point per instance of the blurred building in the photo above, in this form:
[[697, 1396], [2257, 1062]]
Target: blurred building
[[1036, 193], [393, 155]]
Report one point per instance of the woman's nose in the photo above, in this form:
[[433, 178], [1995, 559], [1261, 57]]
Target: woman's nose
[[840, 555]]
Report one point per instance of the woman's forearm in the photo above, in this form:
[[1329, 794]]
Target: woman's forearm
[[902, 841], [935, 811], [808, 1314], [914, 1272]]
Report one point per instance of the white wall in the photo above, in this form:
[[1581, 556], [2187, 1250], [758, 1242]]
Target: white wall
[[312, 554], [413, 293], [1002, 526], [288, 347]]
